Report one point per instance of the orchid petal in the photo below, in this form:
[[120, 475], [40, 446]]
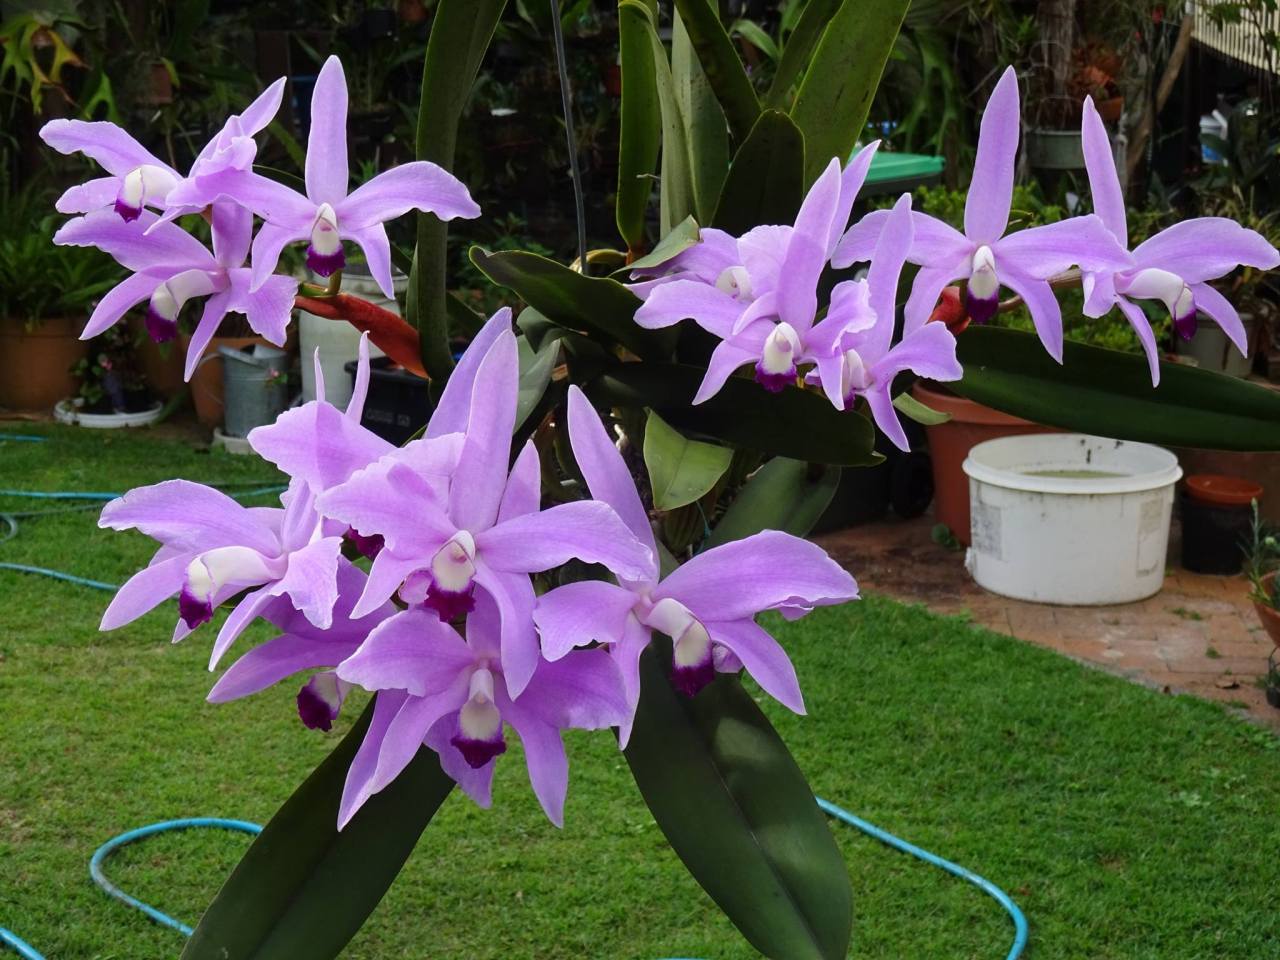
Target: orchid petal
[[761, 572], [268, 663], [626, 654], [1146, 336], [1043, 251], [1104, 181], [268, 308], [373, 499], [267, 245], [386, 574], [1206, 248], [761, 250], [927, 288], [725, 360], [607, 476], [514, 598], [851, 181], [417, 185], [882, 279], [579, 613], [1099, 288], [712, 309], [885, 414], [587, 530], [1039, 298], [319, 444], [544, 758], [481, 473], [859, 241], [475, 782], [583, 691], [259, 114], [105, 143], [986, 209], [168, 247], [807, 247], [232, 232], [360, 389], [357, 787], [377, 254], [119, 300], [407, 733], [189, 516], [763, 658], [90, 195], [310, 580], [326, 167], [524, 487], [451, 413], [411, 651], [237, 620], [1210, 301], [215, 308], [145, 590]]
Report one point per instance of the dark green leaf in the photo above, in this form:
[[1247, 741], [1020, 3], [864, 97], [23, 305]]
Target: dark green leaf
[[640, 123], [909, 406], [595, 305], [676, 201], [794, 423], [684, 236], [736, 809], [797, 49], [680, 470], [460, 35], [1109, 393], [706, 136], [303, 889], [725, 73], [786, 495], [841, 79], [766, 180]]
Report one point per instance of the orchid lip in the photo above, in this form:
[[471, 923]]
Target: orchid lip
[[982, 293], [193, 610], [320, 701], [776, 367], [736, 282], [479, 738], [854, 376], [369, 546], [140, 185], [160, 329], [324, 253], [450, 604], [128, 213]]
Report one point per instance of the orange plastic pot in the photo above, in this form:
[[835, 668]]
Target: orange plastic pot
[[950, 442]]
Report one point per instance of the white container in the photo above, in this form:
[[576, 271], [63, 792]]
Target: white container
[[1069, 518], [338, 341], [69, 411]]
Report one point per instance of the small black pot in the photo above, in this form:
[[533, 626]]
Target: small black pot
[[1214, 536], [398, 404], [1273, 696]]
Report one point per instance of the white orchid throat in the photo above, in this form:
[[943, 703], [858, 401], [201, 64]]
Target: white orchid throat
[[479, 738], [777, 365], [982, 298], [324, 252], [141, 186]]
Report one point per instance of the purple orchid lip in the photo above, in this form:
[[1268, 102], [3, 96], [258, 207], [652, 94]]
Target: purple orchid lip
[[773, 382], [478, 752], [325, 264], [450, 604], [691, 680], [193, 610], [314, 710], [369, 546], [128, 213], [160, 329], [981, 309], [1186, 324]]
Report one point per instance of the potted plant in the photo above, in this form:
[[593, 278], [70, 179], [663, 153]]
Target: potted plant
[[45, 296], [1262, 565], [113, 388]]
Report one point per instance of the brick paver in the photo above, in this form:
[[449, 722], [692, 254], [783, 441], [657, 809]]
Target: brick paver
[[1199, 635]]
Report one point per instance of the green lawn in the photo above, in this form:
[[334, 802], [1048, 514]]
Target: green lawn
[[1127, 824]]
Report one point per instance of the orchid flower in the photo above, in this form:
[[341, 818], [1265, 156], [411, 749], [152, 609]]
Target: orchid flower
[[213, 548], [985, 255], [452, 520], [707, 606], [851, 346], [715, 252], [764, 307], [171, 267], [303, 646], [327, 214], [138, 178], [1172, 266], [452, 695]]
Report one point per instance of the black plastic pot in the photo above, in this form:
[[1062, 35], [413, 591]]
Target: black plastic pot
[[1214, 536], [398, 405], [1273, 696]]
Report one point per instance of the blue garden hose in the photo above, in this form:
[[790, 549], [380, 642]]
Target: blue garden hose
[[27, 952]]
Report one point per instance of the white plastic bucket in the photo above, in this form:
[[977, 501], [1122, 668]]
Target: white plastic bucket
[[1069, 518], [338, 341]]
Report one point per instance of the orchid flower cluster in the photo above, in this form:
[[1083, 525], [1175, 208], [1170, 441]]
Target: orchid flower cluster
[[758, 293], [432, 575], [446, 626], [130, 215]]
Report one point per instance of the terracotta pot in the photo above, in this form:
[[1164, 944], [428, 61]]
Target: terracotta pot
[[949, 443], [1269, 616], [35, 365], [1110, 109], [1262, 468]]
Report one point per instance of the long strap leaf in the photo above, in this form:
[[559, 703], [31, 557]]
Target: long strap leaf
[[725, 72]]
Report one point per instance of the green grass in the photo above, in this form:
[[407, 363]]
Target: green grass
[[1128, 824]]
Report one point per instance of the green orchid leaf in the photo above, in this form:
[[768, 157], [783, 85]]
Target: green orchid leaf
[[766, 179], [799, 47], [535, 373], [794, 423], [680, 470], [736, 809], [841, 79], [706, 136], [1109, 393], [909, 406], [720, 63], [460, 35], [787, 495], [684, 236], [594, 305], [640, 122], [303, 889]]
